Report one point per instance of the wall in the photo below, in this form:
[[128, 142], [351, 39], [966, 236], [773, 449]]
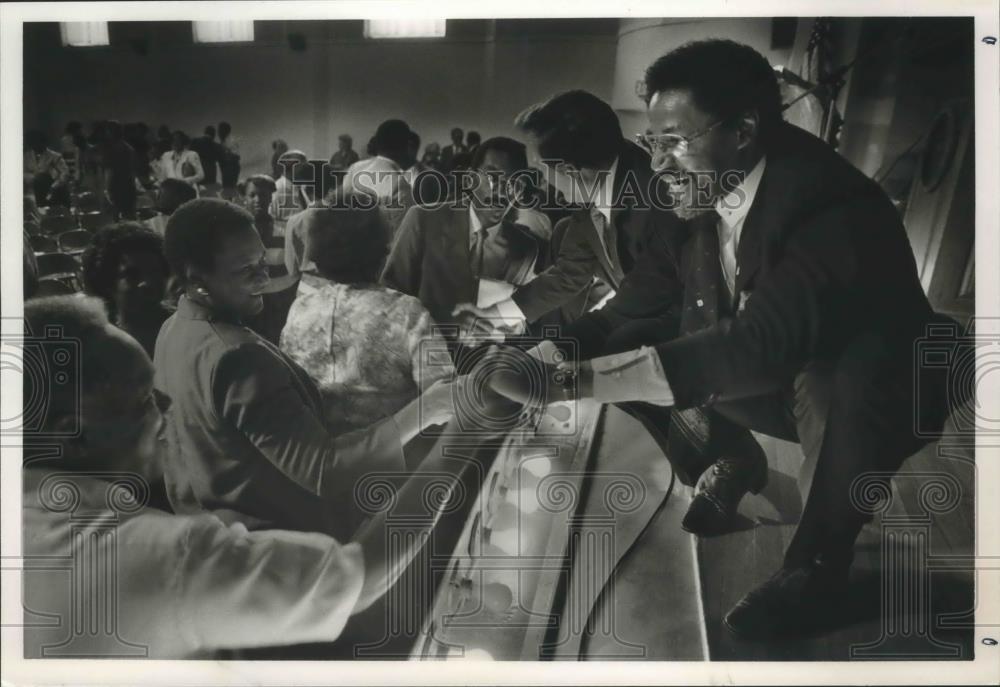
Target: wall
[[642, 41], [337, 85]]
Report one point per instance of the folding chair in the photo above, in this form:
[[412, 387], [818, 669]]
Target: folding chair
[[92, 221], [43, 244], [60, 267], [87, 201], [54, 225], [51, 286], [75, 242]]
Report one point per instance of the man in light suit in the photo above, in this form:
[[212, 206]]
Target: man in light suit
[[615, 232], [801, 316], [441, 253]]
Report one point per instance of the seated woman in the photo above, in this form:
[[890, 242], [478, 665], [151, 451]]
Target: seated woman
[[186, 585], [246, 436], [370, 349], [125, 268]]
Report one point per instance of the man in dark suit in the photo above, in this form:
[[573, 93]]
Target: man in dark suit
[[614, 232], [442, 252], [801, 313], [455, 149], [210, 152]]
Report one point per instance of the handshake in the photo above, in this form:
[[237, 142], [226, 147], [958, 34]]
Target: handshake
[[508, 388]]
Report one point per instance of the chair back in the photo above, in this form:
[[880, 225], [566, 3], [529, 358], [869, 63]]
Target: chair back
[[52, 286], [57, 224], [92, 221], [75, 241], [43, 244]]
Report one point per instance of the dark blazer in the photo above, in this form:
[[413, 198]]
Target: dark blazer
[[431, 257], [646, 275], [245, 436], [448, 155], [823, 256]]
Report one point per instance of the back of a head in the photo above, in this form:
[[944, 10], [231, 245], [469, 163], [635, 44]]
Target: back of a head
[[473, 138], [82, 323], [291, 163], [224, 129], [392, 139], [348, 241], [210, 131], [196, 231], [725, 79], [514, 150], [172, 194], [102, 259], [114, 129], [576, 127]]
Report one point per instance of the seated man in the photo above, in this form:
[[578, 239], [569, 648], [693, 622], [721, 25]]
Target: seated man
[[184, 585], [442, 253], [802, 308]]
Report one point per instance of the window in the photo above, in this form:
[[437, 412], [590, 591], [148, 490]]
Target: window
[[80, 34], [223, 31], [404, 28]]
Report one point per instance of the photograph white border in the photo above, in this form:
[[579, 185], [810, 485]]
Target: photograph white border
[[985, 669]]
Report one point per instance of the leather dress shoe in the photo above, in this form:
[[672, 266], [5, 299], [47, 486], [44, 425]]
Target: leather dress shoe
[[719, 491], [792, 602]]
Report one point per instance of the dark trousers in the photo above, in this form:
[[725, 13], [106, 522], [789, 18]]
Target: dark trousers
[[853, 415]]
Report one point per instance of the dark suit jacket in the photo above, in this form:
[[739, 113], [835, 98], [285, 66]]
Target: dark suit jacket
[[448, 155], [245, 434], [823, 256], [431, 257], [645, 280]]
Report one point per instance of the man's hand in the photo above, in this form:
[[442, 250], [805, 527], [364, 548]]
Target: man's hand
[[524, 379], [484, 324]]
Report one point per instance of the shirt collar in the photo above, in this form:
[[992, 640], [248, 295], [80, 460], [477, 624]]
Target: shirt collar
[[734, 206], [475, 224], [605, 202]]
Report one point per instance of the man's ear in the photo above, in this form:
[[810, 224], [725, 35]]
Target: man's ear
[[747, 129], [75, 442], [194, 279]]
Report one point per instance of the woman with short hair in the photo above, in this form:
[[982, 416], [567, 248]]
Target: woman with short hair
[[370, 349]]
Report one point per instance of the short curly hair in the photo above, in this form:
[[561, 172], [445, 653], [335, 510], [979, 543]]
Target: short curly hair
[[725, 79], [197, 230], [348, 242], [102, 259]]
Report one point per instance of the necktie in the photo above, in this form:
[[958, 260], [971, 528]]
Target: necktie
[[609, 239], [479, 251], [727, 254]]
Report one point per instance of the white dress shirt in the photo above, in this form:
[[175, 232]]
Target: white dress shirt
[[638, 375], [732, 210], [183, 585], [172, 166]]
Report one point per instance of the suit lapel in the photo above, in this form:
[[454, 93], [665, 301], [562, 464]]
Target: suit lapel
[[749, 252]]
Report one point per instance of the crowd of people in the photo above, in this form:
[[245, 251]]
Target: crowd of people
[[259, 350]]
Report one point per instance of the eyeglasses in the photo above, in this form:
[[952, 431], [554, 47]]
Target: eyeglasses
[[662, 144]]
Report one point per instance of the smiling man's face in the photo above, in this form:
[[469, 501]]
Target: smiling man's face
[[693, 170]]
